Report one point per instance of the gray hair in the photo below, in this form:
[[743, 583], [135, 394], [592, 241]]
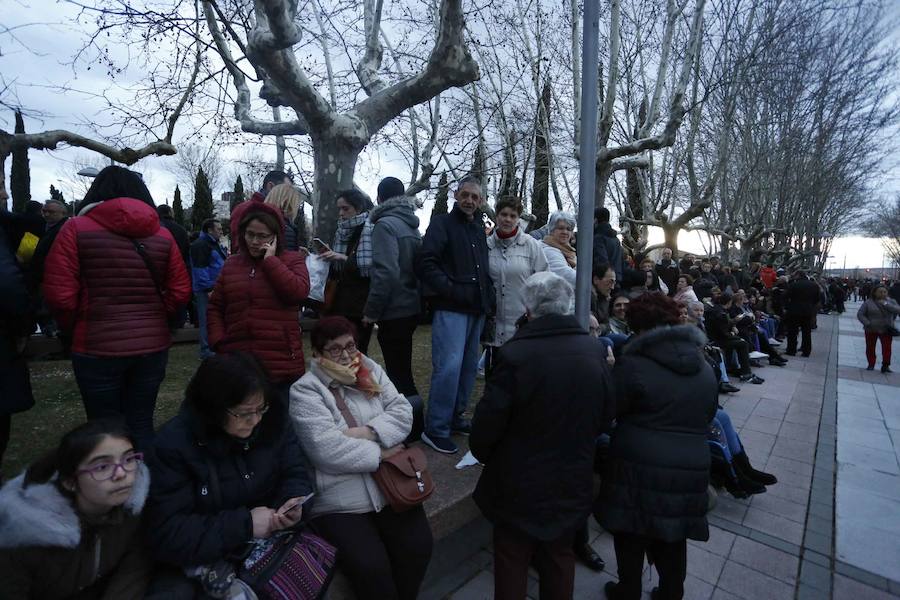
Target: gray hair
[[561, 215], [466, 180], [546, 293], [62, 205]]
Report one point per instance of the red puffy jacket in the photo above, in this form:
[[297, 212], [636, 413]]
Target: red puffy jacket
[[99, 287], [254, 307]]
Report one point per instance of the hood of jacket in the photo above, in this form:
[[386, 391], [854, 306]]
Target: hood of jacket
[[257, 208], [402, 207], [125, 216], [677, 348], [550, 325], [40, 515]]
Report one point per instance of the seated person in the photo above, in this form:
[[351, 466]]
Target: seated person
[[70, 525], [744, 320], [617, 318], [225, 470], [384, 553], [721, 331], [737, 476]]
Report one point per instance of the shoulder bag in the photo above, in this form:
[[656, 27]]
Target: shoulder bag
[[403, 478], [172, 320]]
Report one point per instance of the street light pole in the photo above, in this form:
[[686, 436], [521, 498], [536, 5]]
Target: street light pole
[[587, 148]]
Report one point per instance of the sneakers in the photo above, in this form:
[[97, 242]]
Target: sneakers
[[444, 445], [750, 378], [774, 342], [756, 354], [462, 428]]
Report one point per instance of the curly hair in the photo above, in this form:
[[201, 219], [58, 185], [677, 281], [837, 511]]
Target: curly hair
[[651, 310]]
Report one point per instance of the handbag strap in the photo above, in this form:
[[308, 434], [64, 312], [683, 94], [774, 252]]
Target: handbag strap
[[342, 406], [139, 247]]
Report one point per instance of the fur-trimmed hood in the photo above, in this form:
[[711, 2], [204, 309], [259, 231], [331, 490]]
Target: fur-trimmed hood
[[677, 348], [40, 515]]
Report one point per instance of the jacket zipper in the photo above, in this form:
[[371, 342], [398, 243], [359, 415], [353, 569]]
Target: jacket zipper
[[98, 542]]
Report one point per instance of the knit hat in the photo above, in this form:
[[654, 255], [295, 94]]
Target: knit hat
[[390, 187]]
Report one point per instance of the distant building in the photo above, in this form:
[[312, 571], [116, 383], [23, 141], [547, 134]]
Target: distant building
[[222, 206]]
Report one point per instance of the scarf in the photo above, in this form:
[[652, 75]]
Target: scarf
[[567, 250], [354, 375], [506, 236], [344, 235]]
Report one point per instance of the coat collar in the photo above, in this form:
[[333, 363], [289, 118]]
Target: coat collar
[[550, 325]]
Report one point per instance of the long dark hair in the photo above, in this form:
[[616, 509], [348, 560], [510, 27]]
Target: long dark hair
[[224, 381], [116, 182], [73, 448]]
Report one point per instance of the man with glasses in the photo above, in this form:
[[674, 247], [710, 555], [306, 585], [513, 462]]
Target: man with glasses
[[454, 270]]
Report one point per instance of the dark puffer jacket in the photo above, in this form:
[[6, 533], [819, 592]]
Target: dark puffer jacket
[[15, 382], [547, 400], [195, 518], [97, 284], [254, 306], [656, 476], [455, 267], [394, 289]]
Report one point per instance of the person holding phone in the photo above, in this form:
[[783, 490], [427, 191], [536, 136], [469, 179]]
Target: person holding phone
[[226, 469], [253, 306]]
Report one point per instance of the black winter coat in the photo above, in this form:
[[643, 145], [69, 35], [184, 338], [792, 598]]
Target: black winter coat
[[655, 479], [607, 249], [15, 383], [195, 515], [802, 298], [668, 272], [182, 239], [547, 399], [454, 265]]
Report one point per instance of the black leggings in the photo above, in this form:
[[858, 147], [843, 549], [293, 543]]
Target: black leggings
[[670, 559], [395, 338], [384, 554]]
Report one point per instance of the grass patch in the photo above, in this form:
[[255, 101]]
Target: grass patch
[[58, 406]]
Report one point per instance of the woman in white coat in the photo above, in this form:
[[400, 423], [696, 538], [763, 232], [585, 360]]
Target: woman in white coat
[[557, 247], [514, 256], [384, 553]]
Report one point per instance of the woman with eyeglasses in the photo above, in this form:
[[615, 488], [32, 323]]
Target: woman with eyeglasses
[[254, 304], [558, 250], [384, 553], [70, 526], [227, 469]]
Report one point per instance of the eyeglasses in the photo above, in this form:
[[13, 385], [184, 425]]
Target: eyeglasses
[[262, 237], [106, 471], [337, 351], [248, 416]]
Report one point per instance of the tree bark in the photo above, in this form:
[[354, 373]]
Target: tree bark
[[335, 165]]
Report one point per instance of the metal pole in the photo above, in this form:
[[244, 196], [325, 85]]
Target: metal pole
[[587, 147]]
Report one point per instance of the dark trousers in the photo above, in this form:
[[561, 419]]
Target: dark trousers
[[799, 324], [740, 347], [554, 561], [385, 554], [886, 341], [123, 386], [395, 338], [363, 334], [670, 559], [5, 428]]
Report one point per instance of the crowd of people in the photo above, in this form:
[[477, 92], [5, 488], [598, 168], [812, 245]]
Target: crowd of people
[[268, 440]]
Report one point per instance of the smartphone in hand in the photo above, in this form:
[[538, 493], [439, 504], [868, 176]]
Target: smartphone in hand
[[299, 502], [319, 246]]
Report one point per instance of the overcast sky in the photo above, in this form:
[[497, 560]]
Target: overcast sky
[[34, 74]]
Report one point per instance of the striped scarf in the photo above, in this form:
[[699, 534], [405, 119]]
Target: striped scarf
[[344, 235]]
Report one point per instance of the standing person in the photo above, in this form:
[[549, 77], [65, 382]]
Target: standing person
[[801, 303], [667, 270], [286, 198], [15, 380], [535, 430], [350, 418], [207, 259], [351, 260], [70, 526], [877, 315], [607, 248], [254, 304], [55, 214], [558, 250], [114, 279], [514, 256], [455, 270], [182, 240], [271, 179], [653, 495]]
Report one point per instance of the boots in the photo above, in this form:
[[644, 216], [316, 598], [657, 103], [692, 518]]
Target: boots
[[886, 369], [742, 464], [732, 480]]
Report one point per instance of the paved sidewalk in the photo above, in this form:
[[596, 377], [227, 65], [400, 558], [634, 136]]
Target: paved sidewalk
[[819, 424]]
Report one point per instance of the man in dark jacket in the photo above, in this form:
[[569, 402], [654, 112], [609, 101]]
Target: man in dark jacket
[[801, 302], [607, 248], [454, 271], [394, 300], [667, 270], [547, 400], [207, 259], [182, 240]]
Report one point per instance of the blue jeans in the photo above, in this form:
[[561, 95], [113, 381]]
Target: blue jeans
[[455, 349], [122, 386], [202, 302], [734, 442]]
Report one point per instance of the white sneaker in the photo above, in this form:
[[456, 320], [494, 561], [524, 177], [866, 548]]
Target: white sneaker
[[756, 354], [774, 342]]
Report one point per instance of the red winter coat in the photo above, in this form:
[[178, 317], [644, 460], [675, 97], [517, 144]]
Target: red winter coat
[[99, 287], [768, 276], [237, 214], [254, 307]]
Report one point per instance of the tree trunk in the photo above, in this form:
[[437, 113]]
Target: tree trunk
[[335, 165], [671, 236], [20, 175], [540, 194]]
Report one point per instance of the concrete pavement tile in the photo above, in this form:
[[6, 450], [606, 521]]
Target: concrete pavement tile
[[762, 424], [890, 393], [802, 470], [694, 588], [803, 433], [588, 583], [868, 548], [603, 546], [849, 589], [753, 585], [878, 460], [779, 506], [794, 449], [774, 525], [784, 489], [863, 423], [856, 388], [868, 480], [704, 565], [480, 587], [802, 417], [719, 543], [868, 439], [815, 576], [720, 594], [765, 559], [767, 408], [861, 508]]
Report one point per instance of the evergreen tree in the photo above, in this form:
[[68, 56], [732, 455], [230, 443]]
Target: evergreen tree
[[202, 209], [55, 194], [238, 196], [177, 208], [440, 202], [20, 176]]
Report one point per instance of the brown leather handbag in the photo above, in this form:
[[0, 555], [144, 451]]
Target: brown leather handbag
[[403, 478]]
